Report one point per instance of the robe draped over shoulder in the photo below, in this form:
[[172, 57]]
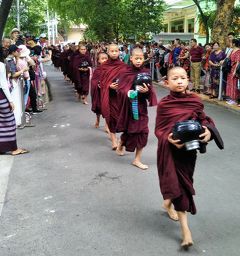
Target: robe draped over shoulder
[[176, 166], [110, 71], [135, 132], [96, 91]]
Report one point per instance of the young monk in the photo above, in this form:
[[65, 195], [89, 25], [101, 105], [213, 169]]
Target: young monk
[[82, 69], [135, 132], [110, 72], [176, 164], [95, 87]]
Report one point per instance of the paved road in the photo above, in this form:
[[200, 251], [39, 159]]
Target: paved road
[[72, 196]]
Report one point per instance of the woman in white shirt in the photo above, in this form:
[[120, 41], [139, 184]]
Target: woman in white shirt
[[8, 140]]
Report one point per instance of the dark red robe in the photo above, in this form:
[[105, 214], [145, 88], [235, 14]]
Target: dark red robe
[[110, 71], [95, 91], [81, 77], [64, 62], [72, 64], [176, 166], [135, 132]]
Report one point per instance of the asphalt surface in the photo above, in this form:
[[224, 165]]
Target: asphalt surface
[[73, 196]]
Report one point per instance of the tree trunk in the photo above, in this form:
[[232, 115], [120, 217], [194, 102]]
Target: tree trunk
[[204, 20], [223, 21], [4, 11]]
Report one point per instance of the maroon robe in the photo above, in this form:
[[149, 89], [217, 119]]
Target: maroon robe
[[176, 166], [81, 77], [95, 91], [110, 71], [72, 64], [135, 132], [64, 62]]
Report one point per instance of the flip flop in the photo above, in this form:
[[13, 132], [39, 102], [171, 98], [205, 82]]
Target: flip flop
[[21, 152], [140, 166]]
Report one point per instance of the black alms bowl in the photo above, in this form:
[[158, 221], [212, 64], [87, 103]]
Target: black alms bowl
[[84, 64], [142, 78], [188, 133]]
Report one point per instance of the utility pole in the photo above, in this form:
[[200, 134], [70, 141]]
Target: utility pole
[[53, 31], [18, 15], [48, 26], [56, 26]]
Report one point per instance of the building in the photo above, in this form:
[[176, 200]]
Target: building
[[181, 20]]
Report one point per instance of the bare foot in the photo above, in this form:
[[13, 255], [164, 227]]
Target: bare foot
[[85, 102], [187, 239], [97, 124], [107, 129], [170, 211], [120, 150], [140, 165]]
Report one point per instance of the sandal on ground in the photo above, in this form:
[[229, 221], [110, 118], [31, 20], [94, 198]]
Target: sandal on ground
[[140, 165], [20, 152]]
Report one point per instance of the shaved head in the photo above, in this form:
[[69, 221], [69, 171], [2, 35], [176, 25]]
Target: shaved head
[[137, 51], [176, 69], [110, 46]]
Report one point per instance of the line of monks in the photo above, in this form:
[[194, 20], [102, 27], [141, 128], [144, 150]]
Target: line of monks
[[123, 103]]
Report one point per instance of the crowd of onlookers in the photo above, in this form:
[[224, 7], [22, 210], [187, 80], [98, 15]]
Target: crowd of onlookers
[[23, 85], [208, 66]]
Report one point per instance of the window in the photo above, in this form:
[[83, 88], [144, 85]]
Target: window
[[177, 26], [190, 25]]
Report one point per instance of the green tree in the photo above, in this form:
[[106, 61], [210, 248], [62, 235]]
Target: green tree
[[113, 19], [223, 21], [220, 21], [32, 17]]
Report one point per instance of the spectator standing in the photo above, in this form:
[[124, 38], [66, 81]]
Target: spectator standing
[[231, 90], [8, 139], [176, 52], [14, 74], [215, 60], [184, 58], [126, 56], [14, 35], [196, 54], [206, 69]]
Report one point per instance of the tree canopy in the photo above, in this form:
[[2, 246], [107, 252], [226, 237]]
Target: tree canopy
[[224, 19], [113, 19], [32, 16]]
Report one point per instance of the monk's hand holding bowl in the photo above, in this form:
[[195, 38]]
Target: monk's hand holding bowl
[[175, 142], [206, 136], [114, 86], [143, 88]]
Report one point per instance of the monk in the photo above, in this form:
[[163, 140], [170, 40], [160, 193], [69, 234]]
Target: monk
[[95, 88], [82, 67], [135, 132], [175, 164], [110, 72]]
